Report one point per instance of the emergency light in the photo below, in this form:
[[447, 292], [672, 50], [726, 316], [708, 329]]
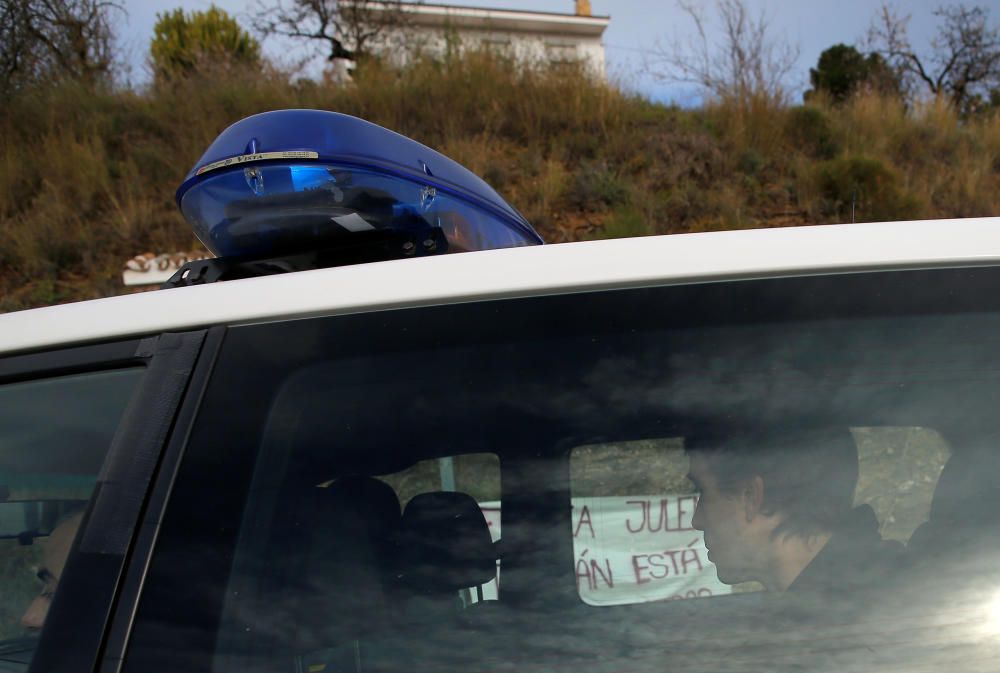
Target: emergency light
[[289, 182]]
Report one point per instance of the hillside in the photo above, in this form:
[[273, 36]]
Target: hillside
[[87, 178]]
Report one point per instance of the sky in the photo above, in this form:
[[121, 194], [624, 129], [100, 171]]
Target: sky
[[637, 29]]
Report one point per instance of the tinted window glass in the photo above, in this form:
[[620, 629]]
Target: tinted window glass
[[633, 508], [633, 538], [54, 435], [817, 455]]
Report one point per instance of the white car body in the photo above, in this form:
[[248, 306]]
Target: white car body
[[518, 272]]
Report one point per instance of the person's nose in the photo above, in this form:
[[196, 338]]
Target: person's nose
[[697, 520], [34, 616]]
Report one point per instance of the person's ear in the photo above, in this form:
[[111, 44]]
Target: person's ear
[[753, 497]]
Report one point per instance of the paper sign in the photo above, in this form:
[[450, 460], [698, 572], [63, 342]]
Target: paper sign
[[634, 549], [640, 548]]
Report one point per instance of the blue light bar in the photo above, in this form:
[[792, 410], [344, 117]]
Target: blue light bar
[[295, 179]]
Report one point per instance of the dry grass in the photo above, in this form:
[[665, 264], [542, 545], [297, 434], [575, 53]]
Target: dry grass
[[87, 178]]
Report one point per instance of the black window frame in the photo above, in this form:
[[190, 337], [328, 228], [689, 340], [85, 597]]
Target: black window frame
[[76, 631]]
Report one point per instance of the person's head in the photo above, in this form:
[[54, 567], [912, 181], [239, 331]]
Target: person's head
[[760, 488], [53, 561]]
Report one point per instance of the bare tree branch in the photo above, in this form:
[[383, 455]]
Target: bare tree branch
[[963, 64], [52, 39], [343, 29], [745, 60]]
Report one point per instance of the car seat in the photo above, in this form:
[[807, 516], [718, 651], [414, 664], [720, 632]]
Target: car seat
[[444, 546], [347, 565], [960, 542]]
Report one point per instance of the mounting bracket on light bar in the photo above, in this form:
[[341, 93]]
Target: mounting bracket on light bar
[[360, 248]]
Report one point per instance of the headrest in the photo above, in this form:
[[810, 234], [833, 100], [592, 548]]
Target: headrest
[[348, 554], [353, 501], [354, 522], [445, 544]]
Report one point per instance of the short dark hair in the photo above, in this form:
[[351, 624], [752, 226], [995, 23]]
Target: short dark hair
[[809, 474]]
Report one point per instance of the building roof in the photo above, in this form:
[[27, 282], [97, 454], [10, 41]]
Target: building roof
[[488, 18]]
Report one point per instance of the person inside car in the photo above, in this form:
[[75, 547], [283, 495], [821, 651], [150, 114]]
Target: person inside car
[[53, 561], [776, 507]]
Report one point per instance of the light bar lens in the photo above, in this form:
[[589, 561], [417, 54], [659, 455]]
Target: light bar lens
[[259, 209]]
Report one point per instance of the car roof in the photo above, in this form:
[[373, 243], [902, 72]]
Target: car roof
[[515, 272]]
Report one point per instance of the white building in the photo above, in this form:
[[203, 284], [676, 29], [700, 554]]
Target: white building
[[533, 37]]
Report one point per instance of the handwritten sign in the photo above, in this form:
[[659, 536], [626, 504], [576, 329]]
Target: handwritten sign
[[637, 549], [633, 549]]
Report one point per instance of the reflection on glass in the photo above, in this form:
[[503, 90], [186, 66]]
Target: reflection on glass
[[54, 435]]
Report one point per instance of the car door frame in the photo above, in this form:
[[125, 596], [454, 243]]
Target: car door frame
[[99, 582]]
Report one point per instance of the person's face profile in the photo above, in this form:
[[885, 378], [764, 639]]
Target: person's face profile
[[722, 518], [54, 557]]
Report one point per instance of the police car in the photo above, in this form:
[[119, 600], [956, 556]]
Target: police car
[[386, 430]]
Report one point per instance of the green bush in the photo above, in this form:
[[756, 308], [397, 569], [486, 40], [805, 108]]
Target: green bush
[[626, 222], [183, 43], [596, 187], [808, 130], [751, 162], [862, 187]]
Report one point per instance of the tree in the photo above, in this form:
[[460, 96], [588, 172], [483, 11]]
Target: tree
[[345, 29], [183, 43], [964, 61], [842, 70], [746, 61], [45, 40]]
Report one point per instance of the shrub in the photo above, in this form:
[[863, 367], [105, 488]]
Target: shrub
[[595, 187], [750, 122], [183, 43], [863, 187], [540, 198], [808, 129], [626, 222], [751, 163]]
